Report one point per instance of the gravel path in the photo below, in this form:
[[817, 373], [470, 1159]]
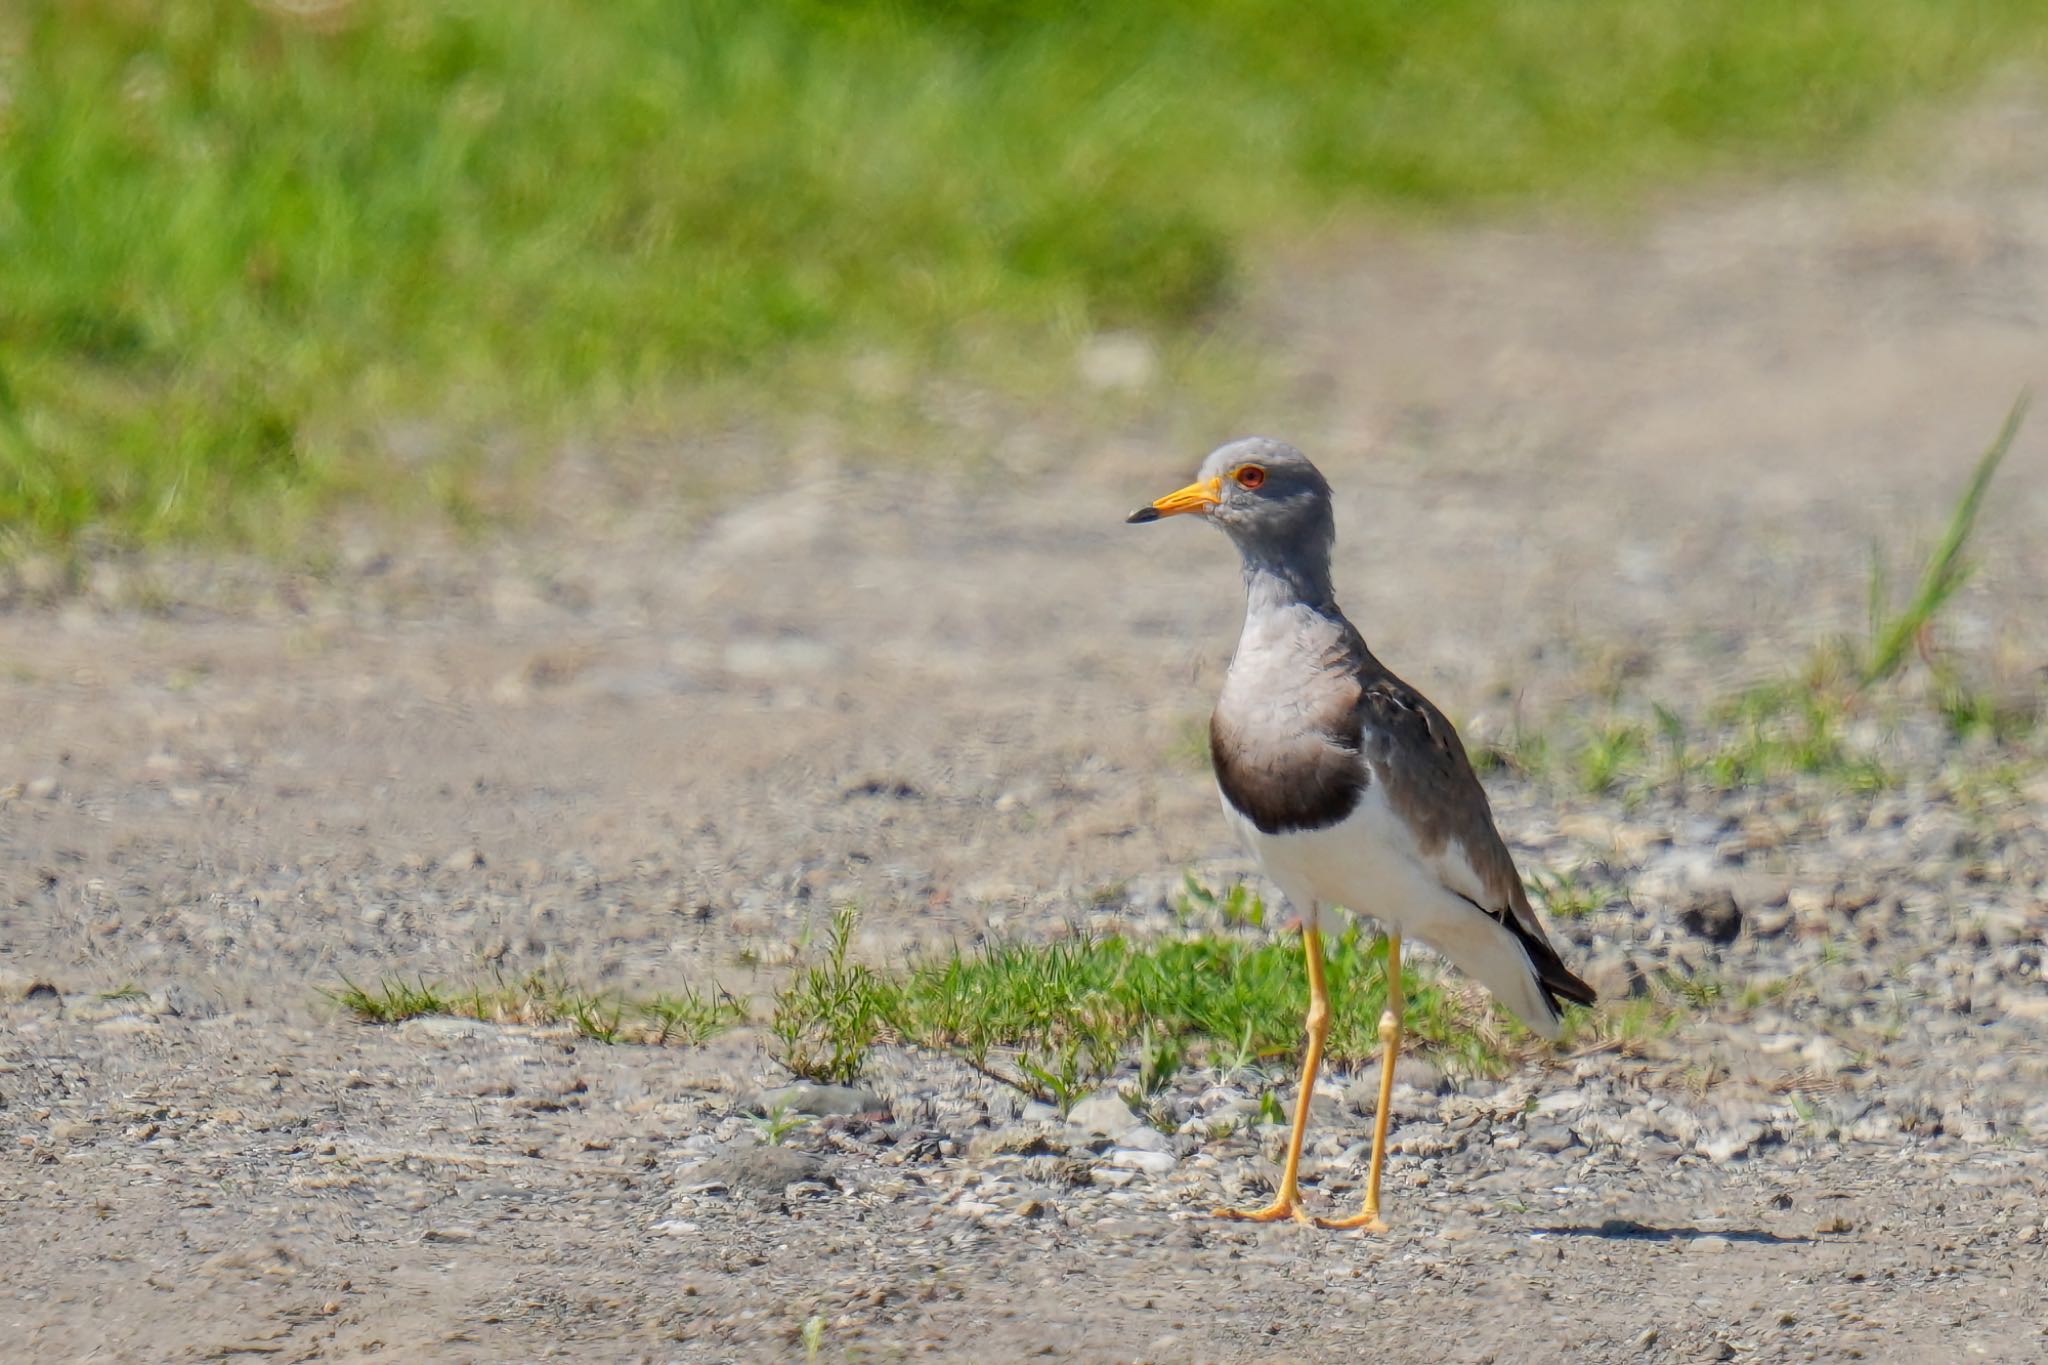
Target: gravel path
[[1566, 462]]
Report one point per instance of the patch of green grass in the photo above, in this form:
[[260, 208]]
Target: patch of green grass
[[688, 1017], [1610, 753], [600, 1018], [1799, 723], [1796, 725], [1058, 1019], [1527, 753], [1161, 1053], [1701, 990], [832, 1011], [254, 258], [1975, 713], [778, 1123], [1764, 990], [1562, 894], [1671, 730], [1791, 726], [1628, 1026], [603, 1017], [394, 1000], [1238, 908]]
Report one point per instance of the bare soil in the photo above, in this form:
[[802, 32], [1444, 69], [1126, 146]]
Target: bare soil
[[1660, 450]]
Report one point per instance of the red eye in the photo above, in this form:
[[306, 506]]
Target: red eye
[[1250, 476]]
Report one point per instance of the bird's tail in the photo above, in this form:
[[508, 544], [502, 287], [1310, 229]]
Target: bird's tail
[[1553, 978], [1520, 967]]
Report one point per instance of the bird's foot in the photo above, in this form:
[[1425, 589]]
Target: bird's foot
[[1284, 1207], [1369, 1219]]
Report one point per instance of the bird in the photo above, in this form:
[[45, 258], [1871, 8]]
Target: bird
[[1350, 788]]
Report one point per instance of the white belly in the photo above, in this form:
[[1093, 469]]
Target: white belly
[[1370, 864]]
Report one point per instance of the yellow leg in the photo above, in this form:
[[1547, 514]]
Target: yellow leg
[[1390, 1052], [1287, 1203]]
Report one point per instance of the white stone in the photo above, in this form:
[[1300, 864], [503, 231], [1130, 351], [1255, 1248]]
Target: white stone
[[1133, 1159], [1145, 1139], [1103, 1112]]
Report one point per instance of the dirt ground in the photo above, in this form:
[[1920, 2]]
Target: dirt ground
[[964, 703]]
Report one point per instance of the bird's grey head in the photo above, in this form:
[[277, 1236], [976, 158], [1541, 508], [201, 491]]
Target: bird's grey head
[[1271, 501]]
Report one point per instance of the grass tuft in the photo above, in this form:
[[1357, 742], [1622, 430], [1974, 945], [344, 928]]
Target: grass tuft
[[1240, 907], [1630, 1026], [686, 1017], [777, 1125], [1801, 724], [832, 1011], [1791, 726], [394, 1000], [1893, 638], [1609, 754], [1562, 894], [1059, 1019], [1056, 1020]]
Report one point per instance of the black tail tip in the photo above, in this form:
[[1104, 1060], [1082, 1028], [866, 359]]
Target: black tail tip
[[1561, 986]]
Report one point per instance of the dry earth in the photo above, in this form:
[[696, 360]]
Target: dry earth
[[964, 703]]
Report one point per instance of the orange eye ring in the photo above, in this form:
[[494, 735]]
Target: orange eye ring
[[1249, 476]]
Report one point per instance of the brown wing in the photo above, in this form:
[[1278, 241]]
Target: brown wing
[[1415, 754]]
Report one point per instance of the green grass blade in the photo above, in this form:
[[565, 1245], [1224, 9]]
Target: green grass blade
[[1946, 570]]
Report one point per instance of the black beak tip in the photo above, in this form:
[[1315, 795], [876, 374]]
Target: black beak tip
[[1141, 516]]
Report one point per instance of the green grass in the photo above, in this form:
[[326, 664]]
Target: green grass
[[1239, 907], [776, 1126], [1787, 727], [1628, 1026], [252, 263], [686, 1017], [1562, 894], [1526, 753], [1782, 727], [1972, 713], [1701, 992], [1058, 1019], [395, 999], [1068, 1012], [1798, 724], [1894, 635], [833, 1011], [1053, 1019], [1610, 752]]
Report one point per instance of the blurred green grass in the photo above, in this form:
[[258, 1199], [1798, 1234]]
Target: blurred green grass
[[241, 244]]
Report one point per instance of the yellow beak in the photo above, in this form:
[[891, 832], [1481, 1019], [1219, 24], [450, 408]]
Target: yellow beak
[[1193, 498]]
